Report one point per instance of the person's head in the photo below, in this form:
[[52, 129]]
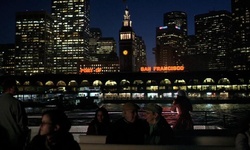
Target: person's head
[[54, 121], [152, 112], [181, 93], [130, 112], [101, 115], [9, 86]]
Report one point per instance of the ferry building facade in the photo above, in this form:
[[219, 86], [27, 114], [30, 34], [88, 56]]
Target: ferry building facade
[[134, 86]]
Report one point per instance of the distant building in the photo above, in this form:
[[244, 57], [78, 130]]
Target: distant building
[[193, 60], [7, 59], [100, 67], [105, 46], [169, 46], [241, 27], [177, 19], [72, 34], [171, 39], [95, 35], [34, 43], [213, 31], [140, 53], [192, 46]]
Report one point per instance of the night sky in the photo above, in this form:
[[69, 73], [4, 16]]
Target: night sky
[[107, 15]]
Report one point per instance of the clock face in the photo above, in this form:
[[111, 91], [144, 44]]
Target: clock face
[[125, 52]]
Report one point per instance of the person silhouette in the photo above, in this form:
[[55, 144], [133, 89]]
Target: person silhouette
[[54, 133], [158, 132], [100, 124], [182, 106], [242, 139], [129, 129], [14, 131]]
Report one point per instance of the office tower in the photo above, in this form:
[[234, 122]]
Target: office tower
[[106, 57], [191, 45], [95, 35], [171, 39], [213, 31], [127, 45], [241, 27], [140, 53], [192, 59], [99, 67], [177, 19], [169, 46], [106, 46], [72, 34], [34, 43], [7, 59]]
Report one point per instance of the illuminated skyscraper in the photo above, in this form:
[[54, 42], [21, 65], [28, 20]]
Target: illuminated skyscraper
[[100, 47], [171, 39], [213, 32], [95, 35], [71, 34], [34, 43], [7, 59], [169, 46], [241, 26], [176, 19], [105, 46], [140, 53]]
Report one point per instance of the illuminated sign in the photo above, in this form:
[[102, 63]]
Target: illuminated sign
[[142, 69], [177, 27], [163, 27], [162, 68], [90, 70]]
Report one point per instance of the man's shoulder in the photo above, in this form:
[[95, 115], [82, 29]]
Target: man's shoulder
[[9, 98]]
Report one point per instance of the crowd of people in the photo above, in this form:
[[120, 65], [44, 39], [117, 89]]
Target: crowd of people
[[152, 128], [53, 134]]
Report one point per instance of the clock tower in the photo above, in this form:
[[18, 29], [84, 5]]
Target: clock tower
[[127, 45]]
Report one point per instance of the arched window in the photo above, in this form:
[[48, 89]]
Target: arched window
[[110, 83], [49, 83], [224, 81], [165, 82], [124, 82], [61, 83], [208, 80], [73, 83], [97, 83]]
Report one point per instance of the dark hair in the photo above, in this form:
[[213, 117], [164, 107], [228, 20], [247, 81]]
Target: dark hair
[[58, 117], [244, 123], [105, 113], [8, 83]]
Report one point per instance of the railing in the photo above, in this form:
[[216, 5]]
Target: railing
[[200, 118]]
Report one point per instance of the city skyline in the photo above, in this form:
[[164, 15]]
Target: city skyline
[[108, 16]]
